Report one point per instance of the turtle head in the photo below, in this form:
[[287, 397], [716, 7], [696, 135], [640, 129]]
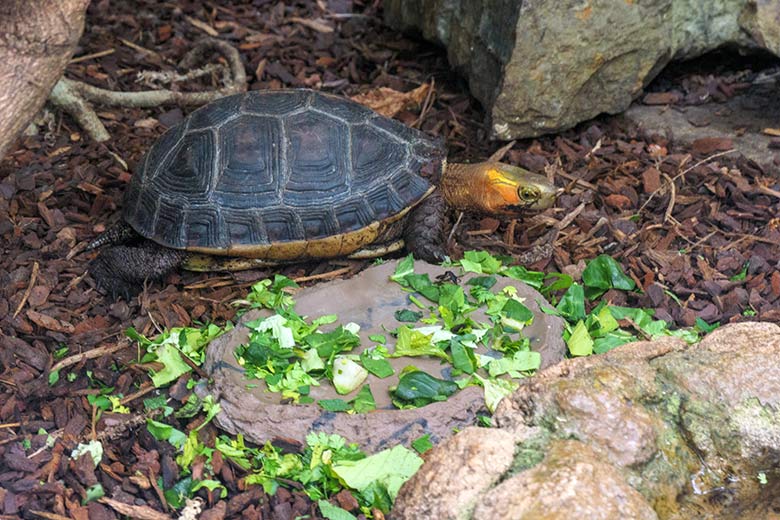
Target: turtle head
[[496, 188]]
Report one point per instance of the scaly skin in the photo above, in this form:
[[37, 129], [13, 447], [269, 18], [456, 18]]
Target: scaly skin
[[425, 234], [122, 270]]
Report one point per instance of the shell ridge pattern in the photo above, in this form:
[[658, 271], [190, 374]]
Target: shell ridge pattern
[[216, 164], [381, 130], [148, 173], [284, 173]]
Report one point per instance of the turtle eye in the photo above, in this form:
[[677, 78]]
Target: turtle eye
[[528, 193]]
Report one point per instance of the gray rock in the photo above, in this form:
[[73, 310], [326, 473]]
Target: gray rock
[[543, 66], [635, 431]]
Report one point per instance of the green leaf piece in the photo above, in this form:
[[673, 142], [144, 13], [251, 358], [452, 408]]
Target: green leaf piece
[[422, 444], [390, 467], [404, 268], [364, 400], [462, 356], [347, 375], [580, 342], [174, 365], [334, 405], [480, 262], [605, 273], [93, 493], [517, 272], [414, 343], [407, 316], [417, 389], [572, 304], [332, 512]]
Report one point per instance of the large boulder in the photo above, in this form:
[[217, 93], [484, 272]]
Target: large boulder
[[652, 429], [542, 66]]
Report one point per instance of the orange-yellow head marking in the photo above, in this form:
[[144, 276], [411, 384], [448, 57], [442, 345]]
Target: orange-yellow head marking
[[509, 189], [497, 188]]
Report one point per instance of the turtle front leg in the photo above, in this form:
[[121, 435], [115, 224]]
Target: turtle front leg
[[426, 229], [122, 270]]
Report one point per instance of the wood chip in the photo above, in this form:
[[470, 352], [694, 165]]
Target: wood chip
[[47, 322], [137, 512], [708, 145], [317, 25], [203, 26], [148, 122], [651, 180]]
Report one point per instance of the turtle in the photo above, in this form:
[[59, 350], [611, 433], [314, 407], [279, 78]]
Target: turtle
[[269, 177]]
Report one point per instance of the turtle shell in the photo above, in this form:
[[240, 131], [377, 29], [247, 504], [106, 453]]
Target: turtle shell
[[282, 175]]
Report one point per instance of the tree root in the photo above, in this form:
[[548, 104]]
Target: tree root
[[74, 96]]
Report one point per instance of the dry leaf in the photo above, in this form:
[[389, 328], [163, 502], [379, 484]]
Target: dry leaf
[[775, 132], [389, 102]]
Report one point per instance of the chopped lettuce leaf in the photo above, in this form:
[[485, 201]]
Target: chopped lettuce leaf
[[347, 375], [390, 467]]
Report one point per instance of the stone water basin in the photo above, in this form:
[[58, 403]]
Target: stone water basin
[[369, 299]]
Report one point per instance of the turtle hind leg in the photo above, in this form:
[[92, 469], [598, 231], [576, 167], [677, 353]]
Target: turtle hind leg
[[122, 270], [425, 233]]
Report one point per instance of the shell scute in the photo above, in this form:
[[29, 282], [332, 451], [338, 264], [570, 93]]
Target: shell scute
[[318, 165], [250, 162], [215, 113]]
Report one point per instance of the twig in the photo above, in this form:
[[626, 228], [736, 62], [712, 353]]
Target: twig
[[153, 481], [153, 78], [90, 354], [94, 55], [142, 392], [644, 335], [323, 276], [568, 219], [425, 106], [672, 197], [144, 50], [509, 234], [33, 278], [766, 190], [454, 227], [577, 180], [705, 160]]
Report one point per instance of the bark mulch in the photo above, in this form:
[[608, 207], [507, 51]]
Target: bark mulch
[[696, 227]]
